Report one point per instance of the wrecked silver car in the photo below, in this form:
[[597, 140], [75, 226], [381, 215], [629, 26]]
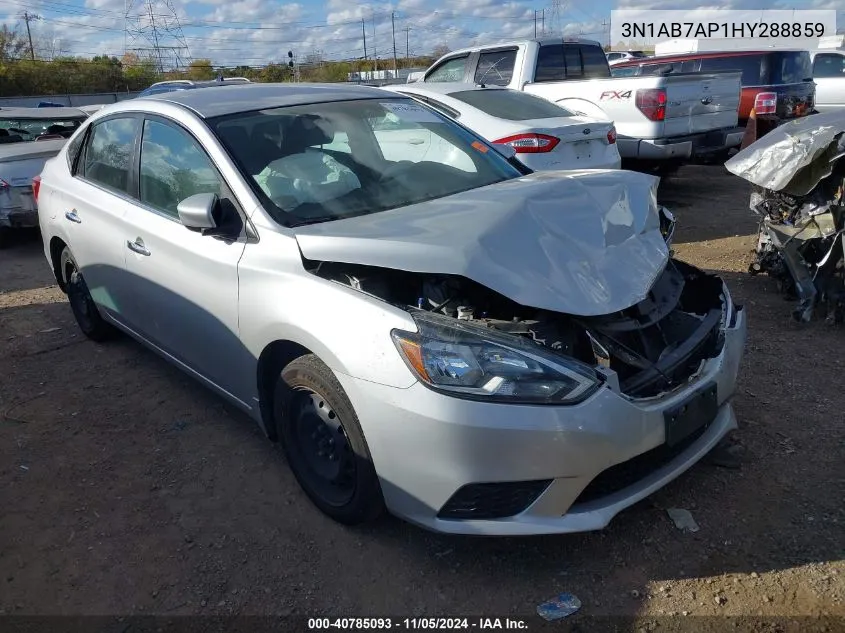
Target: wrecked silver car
[[798, 177], [425, 325]]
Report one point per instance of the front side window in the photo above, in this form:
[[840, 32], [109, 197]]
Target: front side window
[[450, 70], [827, 65], [108, 154], [335, 160], [495, 68], [173, 167], [511, 104]]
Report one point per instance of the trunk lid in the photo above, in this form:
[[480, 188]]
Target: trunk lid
[[580, 138]]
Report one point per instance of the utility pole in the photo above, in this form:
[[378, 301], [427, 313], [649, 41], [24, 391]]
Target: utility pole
[[407, 42], [535, 23], [364, 33], [375, 51], [543, 21], [393, 29], [29, 17]]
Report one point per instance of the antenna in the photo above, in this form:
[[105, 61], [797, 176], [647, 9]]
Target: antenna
[[152, 29]]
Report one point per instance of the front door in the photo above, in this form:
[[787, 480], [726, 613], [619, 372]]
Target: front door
[[184, 284]]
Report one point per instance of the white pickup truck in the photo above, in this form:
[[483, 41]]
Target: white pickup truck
[[660, 119]]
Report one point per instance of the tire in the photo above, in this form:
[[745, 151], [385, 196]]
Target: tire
[[82, 305], [323, 442]]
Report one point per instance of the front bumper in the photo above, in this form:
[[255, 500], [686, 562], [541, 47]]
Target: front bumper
[[682, 147], [17, 218], [426, 446]]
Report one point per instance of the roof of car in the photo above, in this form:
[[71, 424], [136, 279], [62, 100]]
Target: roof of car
[[542, 41], [222, 100], [42, 113], [442, 88]]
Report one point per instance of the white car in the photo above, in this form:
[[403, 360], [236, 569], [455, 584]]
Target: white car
[[829, 75], [544, 135], [477, 349], [614, 57]]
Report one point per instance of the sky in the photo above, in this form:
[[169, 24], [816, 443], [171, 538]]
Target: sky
[[256, 32]]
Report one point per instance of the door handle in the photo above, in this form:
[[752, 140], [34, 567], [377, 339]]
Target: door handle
[[72, 216], [416, 141], [137, 246]]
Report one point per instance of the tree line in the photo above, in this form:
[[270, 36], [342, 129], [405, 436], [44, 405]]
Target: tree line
[[20, 75]]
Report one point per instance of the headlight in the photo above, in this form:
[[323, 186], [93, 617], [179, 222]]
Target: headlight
[[474, 362]]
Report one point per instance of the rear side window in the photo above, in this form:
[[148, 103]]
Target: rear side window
[[829, 65], [557, 62], [496, 68], [108, 154], [73, 151], [511, 105], [450, 70], [751, 67], [550, 66]]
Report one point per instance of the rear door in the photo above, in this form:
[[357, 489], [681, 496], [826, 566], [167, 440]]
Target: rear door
[[91, 207], [701, 102]]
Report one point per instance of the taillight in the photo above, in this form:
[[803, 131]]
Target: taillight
[[611, 136], [530, 143], [652, 103], [766, 102], [36, 186]]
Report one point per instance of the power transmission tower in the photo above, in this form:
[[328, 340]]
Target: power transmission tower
[[29, 17], [557, 8], [152, 29]]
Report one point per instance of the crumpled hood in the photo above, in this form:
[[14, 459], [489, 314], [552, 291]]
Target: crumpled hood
[[795, 156], [579, 242]]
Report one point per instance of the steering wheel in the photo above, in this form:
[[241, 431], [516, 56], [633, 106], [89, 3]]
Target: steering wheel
[[396, 168]]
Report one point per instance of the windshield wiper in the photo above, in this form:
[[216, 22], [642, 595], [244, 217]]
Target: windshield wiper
[[316, 220]]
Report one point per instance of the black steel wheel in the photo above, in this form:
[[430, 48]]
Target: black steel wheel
[[324, 444], [82, 305]]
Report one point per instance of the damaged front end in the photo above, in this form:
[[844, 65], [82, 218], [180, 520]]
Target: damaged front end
[[474, 342], [798, 178]]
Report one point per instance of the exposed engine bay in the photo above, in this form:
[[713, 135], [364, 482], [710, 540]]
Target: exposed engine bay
[[652, 347], [798, 173]]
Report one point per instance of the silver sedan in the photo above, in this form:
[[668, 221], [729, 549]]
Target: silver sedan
[[427, 326]]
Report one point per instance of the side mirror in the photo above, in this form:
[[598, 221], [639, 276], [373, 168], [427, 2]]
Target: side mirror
[[505, 150], [197, 211]]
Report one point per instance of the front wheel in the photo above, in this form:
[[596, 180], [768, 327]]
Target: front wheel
[[81, 303], [324, 444]]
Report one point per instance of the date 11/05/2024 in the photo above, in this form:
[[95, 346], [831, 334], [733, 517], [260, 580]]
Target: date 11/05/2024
[[428, 624]]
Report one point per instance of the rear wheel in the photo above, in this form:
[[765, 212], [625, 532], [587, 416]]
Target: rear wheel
[[324, 444], [81, 303]]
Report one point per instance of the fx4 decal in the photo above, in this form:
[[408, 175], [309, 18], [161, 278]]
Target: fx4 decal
[[610, 95]]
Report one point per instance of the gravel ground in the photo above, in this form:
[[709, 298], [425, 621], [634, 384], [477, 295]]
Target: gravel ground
[[129, 489]]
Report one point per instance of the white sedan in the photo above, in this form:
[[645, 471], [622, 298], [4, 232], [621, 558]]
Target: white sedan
[[543, 134]]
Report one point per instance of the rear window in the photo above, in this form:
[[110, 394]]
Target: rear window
[[556, 62], [30, 129], [790, 67], [511, 105]]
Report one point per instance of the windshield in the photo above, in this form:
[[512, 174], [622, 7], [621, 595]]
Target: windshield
[[511, 105], [29, 129], [328, 161]]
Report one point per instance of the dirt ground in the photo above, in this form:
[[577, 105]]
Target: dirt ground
[[129, 489]]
